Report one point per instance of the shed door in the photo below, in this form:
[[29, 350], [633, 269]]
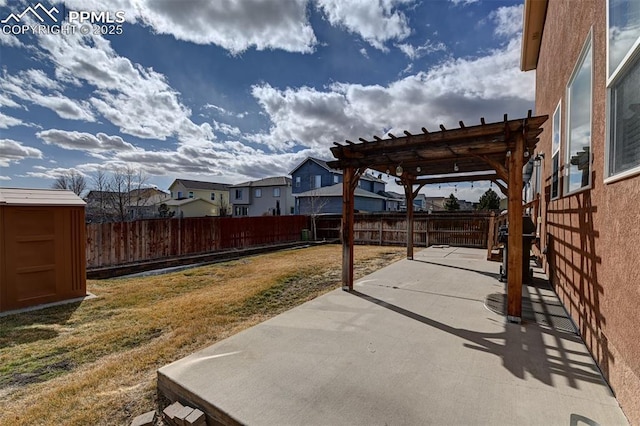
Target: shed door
[[31, 247]]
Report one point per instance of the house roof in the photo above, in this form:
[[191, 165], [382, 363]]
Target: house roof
[[323, 164], [39, 197], [392, 195], [336, 191], [535, 12], [182, 202], [197, 184], [270, 181]]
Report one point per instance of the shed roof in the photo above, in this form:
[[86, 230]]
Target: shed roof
[[39, 197]]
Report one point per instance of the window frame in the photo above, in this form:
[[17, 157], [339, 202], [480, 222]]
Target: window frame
[[238, 194], [556, 151], [213, 196], [298, 181], [276, 192], [587, 47], [630, 59], [257, 192]]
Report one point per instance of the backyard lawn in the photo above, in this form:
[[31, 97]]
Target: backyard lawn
[[95, 362]]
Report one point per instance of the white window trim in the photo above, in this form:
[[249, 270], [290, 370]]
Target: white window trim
[[629, 59], [576, 69], [626, 61], [558, 151]]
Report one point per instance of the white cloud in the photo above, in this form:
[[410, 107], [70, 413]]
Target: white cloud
[[463, 2], [13, 151], [5, 178], [73, 140], [10, 40], [235, 25], [508, 20], [226, 129], [458, 89], [427, 48], [376, 21], [364, 53], [29, 85], [8, 121], [138, 100]]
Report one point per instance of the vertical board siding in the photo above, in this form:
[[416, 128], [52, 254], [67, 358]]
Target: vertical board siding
[[110, 244]]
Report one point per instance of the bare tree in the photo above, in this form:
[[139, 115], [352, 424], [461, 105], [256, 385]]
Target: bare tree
[[316, 204], [224, 209], [72, 181], [126, 197]]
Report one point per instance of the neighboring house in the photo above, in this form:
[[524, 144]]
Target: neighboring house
[[435, 204], [395, 202], [110, 206], [587, 62], [212, 197], [329, 200], [270, 196], [191, 207], [143, 203], [313, 175]]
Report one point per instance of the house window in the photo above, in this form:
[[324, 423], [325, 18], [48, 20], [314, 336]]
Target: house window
[[213, 196], [276, 192], [171, 194], [179, 195], [190, 194], [242, 211], [336, 179], [578, 158], [555, 153], [623, 80], [238, 194], [258, 192], [297, 181], [316, 181]]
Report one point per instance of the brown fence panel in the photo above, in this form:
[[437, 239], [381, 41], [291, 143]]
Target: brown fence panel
[[118, 243], [469, 229]]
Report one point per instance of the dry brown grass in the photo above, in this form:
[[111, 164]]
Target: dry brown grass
[[95, 362]]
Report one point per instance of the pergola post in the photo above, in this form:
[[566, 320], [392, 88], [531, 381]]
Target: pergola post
[[348, 189], [408, 193], [515, 254]]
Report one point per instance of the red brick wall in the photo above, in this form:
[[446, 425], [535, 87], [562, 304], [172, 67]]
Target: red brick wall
[[592, 237]]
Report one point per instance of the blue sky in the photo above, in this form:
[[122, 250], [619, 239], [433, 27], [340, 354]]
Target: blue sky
[[234, 90]]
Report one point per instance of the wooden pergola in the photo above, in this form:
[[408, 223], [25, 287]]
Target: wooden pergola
[[495, 151]]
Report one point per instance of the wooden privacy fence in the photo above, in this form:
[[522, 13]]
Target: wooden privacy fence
[[110, 244], [454, 229]]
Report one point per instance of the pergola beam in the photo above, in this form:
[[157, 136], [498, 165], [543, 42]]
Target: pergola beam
[[452, 179]]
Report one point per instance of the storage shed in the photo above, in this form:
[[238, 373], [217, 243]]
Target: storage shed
[[42, 247]]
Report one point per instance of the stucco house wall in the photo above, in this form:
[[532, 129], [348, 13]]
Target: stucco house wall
[[590, 238]]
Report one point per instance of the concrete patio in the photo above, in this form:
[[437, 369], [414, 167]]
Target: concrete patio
[[415, 343]]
